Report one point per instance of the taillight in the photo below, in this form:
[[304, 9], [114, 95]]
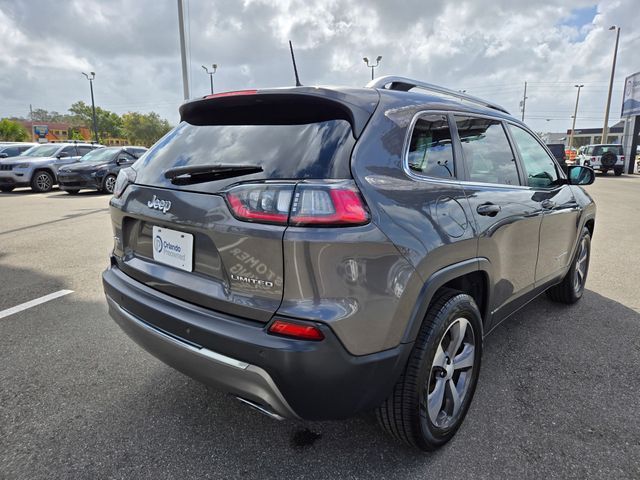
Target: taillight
[[593, 159], [330, 203], [263, 203], [622, 157], [125, 177], [296, 330]]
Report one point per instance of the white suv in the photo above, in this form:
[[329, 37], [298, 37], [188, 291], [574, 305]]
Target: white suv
[[603, 158]]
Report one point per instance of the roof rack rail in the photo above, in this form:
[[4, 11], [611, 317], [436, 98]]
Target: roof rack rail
[[404, 84]]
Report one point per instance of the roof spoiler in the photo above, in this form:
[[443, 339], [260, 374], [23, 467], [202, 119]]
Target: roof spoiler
[[298, 105]]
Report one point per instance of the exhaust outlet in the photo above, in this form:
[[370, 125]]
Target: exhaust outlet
[[260, 409]]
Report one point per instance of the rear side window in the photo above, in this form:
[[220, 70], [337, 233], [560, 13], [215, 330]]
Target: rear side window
[[540, 168], [83, 150], [69, 151], [487, 153], [430, 148], [315, 150]]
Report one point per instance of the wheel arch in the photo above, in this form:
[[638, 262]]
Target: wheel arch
[[590, 224], [471, 276], [49, 170]]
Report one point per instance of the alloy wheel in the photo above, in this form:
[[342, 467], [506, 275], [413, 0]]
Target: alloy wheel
[[581, 266], [451, 373], [110, 183], [43, 181]]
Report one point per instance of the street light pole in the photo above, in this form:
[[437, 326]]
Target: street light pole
[[215, 67], [90, 77], [605, 128], [183, 52], [371, 65], [575, 114]]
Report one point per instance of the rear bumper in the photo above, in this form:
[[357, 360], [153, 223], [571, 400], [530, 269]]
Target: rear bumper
[[292, 378]]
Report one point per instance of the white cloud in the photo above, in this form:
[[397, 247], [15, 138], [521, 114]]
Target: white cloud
[[487, 47]]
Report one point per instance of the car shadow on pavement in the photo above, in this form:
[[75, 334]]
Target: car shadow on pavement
[[82, 193], [557, 397]]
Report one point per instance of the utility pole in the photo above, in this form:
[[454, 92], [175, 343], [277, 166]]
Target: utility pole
[[523, 103], [372, 66], [605, 128], [31, 119], [211, 74], [575, 114], [90, 77], [183, 55]]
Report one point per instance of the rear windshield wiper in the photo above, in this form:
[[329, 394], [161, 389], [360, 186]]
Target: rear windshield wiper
[[207, 173]]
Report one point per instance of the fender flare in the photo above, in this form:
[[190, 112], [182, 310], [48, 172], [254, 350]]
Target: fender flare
[[437, 280]]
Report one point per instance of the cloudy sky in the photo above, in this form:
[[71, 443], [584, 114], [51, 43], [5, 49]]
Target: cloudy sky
[[488, 48]]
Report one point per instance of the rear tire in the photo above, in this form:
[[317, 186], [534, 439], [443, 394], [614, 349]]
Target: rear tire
[[73, 191], [42, 181], [432, 396], [571, 288], [6, 189], [618, 172]]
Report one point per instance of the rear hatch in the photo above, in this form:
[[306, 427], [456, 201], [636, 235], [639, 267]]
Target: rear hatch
[[179, 234]]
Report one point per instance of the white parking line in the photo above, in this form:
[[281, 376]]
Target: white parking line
[[33, 303]]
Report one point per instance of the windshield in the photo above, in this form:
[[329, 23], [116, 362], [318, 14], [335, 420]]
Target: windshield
[[100, 155], [41, 151]]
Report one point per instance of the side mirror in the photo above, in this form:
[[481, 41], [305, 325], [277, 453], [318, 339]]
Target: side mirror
[[581, 175], [4, 155]]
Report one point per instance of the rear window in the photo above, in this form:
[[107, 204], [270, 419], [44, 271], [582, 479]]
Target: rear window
[[602, 149], [315, 150]]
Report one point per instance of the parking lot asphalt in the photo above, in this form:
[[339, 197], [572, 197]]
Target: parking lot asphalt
[[558, 397]]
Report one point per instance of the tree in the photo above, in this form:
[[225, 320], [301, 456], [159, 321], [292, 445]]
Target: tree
[[109, 123], [144, 129], [74, 134], [12, 131], [45, 116]]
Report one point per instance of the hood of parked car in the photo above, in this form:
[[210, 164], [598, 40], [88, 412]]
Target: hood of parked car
[[22, 159]]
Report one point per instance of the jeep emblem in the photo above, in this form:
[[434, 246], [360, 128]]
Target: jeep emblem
[[157, 204]]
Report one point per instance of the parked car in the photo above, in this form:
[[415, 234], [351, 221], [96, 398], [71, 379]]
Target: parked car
[[38, 166], [8, 150], [319, 252], [603, 158], [98, 169]]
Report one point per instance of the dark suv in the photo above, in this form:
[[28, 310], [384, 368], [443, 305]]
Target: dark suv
[[319, 252], [98, 169]]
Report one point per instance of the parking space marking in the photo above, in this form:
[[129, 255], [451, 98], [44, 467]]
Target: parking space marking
[[33, 303]]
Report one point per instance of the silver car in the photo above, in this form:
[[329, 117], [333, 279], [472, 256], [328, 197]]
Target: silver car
[[38, 166]]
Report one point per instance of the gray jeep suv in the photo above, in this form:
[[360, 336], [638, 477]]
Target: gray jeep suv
[[38, 166], [319, 252]]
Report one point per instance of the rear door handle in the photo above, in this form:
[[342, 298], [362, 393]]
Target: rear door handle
[[548, 204], [488, 209]]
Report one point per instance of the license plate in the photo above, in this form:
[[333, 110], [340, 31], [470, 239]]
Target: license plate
[[173, 248]]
